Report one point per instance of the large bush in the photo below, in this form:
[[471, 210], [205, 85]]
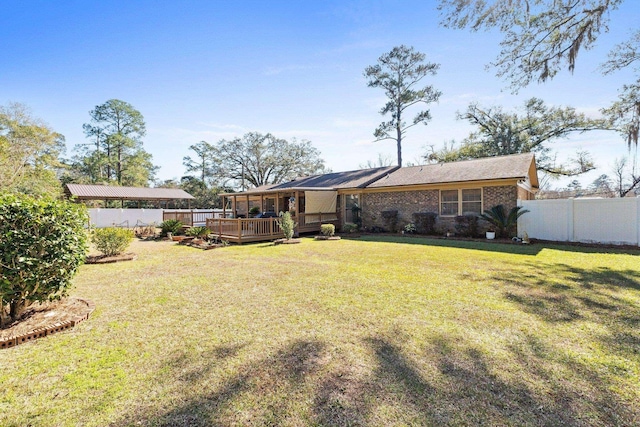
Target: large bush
[[42, 244], [467, 225], [425, 222], [112, 240], [390, 219]]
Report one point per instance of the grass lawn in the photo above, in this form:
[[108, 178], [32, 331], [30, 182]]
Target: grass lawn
[[377, 331]]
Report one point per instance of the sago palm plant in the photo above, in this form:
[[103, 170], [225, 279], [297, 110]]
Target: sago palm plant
[[503, 221]]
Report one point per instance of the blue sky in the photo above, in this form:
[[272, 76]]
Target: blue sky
[[207, 70]]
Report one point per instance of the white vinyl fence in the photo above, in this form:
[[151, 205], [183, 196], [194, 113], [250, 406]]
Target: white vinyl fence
[[610, 221], [129, 218]]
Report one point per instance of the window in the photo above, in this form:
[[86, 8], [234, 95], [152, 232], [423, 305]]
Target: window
[[460, 202], [472, 201], [449, 202]]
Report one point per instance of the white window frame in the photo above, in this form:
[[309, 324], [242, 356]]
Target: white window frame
[[460, 190]]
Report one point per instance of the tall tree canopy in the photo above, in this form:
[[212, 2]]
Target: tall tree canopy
[[203, 164], [29, 153], [257, 159], [115, 153], [541, 37], [500, 133], [399, 72]]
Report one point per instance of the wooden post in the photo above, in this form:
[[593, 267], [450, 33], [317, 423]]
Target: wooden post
[[234, 207], [224, 207], [239, 230]]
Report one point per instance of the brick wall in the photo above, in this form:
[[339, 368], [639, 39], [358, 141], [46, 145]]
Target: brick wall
[[506, 195], [409, 202], [405, 202]]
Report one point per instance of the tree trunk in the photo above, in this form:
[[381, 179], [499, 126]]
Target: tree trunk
[[16, 308], [399, 139]]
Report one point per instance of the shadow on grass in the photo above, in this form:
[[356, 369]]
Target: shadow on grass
[[494, 246], [449, 383], [596, 295], [280, 374]]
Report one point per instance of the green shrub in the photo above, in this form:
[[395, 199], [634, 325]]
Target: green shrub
[[350, 227], [287, 225], [254, 211], [410, 228], [42, 244], [198, 232], [390, 219], [467, 225], [172, 226], [112, 240], [425, 222], [328, 229]]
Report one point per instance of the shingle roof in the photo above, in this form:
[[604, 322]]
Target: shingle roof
[[516, 166], [104, 192], [328, 181]]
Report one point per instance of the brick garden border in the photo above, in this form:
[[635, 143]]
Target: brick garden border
[[49, 330]]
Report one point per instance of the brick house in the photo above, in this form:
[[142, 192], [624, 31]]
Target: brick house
[[450, 189], [447, 189]]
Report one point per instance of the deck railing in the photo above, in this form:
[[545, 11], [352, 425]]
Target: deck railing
[[191, 218], [256, 229], [245, 229]]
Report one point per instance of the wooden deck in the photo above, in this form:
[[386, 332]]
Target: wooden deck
[[244, 230]]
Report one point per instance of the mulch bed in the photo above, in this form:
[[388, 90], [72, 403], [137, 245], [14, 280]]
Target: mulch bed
[[104, 259], [327, 238], [200, 244], [286, 242], [45, 319]]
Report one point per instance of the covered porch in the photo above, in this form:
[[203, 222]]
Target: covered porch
[[254, 214]]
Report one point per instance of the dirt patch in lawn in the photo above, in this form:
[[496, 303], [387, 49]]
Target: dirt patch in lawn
[[106, 259], [48, 314]]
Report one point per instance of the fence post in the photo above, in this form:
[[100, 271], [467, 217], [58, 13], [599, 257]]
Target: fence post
[[570, 219], [638, 220]]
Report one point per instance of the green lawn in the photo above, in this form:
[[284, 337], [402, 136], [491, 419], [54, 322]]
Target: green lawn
[[375, 331]]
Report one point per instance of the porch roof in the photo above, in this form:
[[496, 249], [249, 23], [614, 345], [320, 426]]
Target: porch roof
[[260, 190], [112, 192], [328, 181]]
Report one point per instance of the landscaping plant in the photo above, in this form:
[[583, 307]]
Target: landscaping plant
[[467, 225], [504, 222], [199, 232], [390, 219], [287, 225], [112, 240], [172, 226], [42, 244], [410, 228], [327, 229], [425, 222], [350, 227]]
